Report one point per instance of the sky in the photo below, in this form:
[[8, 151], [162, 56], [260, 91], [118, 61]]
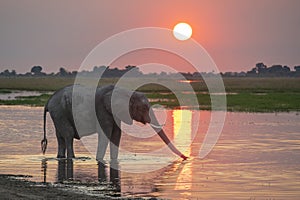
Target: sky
[[60, 33]]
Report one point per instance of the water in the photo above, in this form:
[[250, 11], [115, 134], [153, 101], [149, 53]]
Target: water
[[256, 157], [19, 94]]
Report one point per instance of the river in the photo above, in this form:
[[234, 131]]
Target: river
[[256, 157]]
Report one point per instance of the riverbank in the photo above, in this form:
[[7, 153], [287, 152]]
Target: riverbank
[[236, 102], [16, 187], [242, 94]]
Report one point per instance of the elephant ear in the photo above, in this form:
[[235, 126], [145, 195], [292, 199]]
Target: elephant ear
[[117, 102]]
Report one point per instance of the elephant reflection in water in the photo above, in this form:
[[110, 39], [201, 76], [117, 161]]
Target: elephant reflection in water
[[65, 172], [114, 176]]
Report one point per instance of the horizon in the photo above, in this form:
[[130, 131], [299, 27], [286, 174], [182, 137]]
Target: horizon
[[292, 68], [236, 34], [260, 69]]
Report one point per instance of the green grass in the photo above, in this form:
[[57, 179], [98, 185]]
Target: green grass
[[264, 102], [41, 83], [245, 94], [245, 101], [231, 84], [260, 84]]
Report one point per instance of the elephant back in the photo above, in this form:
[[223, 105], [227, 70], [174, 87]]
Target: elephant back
[[83, 109]]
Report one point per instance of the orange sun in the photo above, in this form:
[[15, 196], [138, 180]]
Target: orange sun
[[182, 31]]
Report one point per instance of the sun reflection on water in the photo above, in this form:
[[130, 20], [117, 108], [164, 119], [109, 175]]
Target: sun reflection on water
[[183, 130], [183, 139]]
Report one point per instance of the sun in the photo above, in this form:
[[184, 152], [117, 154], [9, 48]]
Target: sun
[[182, 31]]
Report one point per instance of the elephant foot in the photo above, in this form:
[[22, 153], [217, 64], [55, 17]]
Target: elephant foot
[[114, 161], [70, 157], [61, 156], [101, 161]]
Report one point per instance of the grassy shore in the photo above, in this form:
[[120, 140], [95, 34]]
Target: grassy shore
[[243, 94]]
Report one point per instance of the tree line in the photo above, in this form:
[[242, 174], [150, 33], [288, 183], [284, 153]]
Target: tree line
[[260, 70]]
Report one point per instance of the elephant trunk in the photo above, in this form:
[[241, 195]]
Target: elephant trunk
[[158, 129]]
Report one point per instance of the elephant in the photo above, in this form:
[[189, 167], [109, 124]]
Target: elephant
[[109, 107]]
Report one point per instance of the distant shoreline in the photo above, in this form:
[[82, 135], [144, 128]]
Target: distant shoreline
[[243, 94]]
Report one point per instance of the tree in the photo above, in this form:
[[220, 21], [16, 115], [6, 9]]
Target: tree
[[8, 73], [261, 68], [13, 73], [252, 72], [286, 69], [36, 70], [99, 69], [63, 72]]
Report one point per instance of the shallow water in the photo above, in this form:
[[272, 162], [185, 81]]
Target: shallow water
[[19, 93], [256, 157]]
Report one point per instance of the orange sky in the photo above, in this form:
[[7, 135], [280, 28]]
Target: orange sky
[[237, 34]]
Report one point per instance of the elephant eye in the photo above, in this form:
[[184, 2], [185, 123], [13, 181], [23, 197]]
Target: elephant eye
[[146, 108]]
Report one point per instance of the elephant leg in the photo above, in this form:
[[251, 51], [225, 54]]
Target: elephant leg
[[65, 135], [61, 147], [104, 135], [115, 141], [69, 139], [102, 146], [62, 129], [70, 150]]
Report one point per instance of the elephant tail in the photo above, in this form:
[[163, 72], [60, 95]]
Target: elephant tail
[[44, 141]]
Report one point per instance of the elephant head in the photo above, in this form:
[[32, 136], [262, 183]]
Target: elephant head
[[139, 108], [128, 106]]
